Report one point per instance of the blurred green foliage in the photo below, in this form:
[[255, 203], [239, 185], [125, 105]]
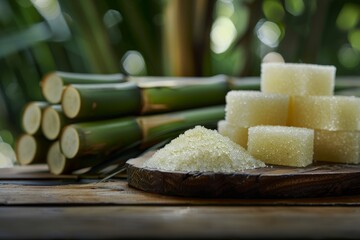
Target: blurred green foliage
[[140, 37]]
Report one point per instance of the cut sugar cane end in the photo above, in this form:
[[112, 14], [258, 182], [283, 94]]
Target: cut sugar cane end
[[26, 149], [55, 159], [58, 163], [71, 102], [52, 87], [31, 149], [51, 123], [70, 142], [31, 117]]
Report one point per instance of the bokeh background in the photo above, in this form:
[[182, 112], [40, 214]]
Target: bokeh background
[[165, 38]]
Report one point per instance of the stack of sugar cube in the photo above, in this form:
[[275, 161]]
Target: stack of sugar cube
[[295, 119]]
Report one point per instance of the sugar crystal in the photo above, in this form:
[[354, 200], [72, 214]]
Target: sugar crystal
[[204, 150]]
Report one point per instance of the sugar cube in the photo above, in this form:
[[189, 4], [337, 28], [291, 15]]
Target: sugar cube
[[251, 108], [281, 145], [325, 112], [298, 79], [236, 134], [337, 146]]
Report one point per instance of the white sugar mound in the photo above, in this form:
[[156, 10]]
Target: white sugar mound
[[203, 150]]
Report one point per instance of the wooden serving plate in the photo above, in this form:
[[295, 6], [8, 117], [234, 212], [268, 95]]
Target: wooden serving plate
[[317, 180]]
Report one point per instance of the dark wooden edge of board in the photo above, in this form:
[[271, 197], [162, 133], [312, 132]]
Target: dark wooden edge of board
[[318, 180]]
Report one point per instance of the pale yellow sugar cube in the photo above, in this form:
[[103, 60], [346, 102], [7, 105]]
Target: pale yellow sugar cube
[[337, 146], [252, 108], [325, 112], [298, 79], [236, 134], [280, 145]]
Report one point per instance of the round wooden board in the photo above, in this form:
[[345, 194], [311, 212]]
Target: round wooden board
[[271, 182]]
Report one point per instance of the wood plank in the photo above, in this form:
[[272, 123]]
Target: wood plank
[[33, 185], [318, 180], [31, 172], [41, 172], [179, 222], [119, 193]]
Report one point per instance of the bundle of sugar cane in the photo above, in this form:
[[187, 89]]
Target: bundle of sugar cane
[[99, 140], [90, 97], [42, 122], [31, 117]]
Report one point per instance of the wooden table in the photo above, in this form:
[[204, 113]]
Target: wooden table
[[35, 204]]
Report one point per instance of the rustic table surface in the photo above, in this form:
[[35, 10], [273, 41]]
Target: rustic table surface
[[38, 205]]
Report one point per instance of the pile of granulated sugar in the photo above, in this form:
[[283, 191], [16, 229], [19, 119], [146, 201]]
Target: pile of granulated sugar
[[204, 150]]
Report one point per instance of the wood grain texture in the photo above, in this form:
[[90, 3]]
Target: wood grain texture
[[34, 186], [320, 180], [180, 222], [31, 209], [118, 193], [30, 172]]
